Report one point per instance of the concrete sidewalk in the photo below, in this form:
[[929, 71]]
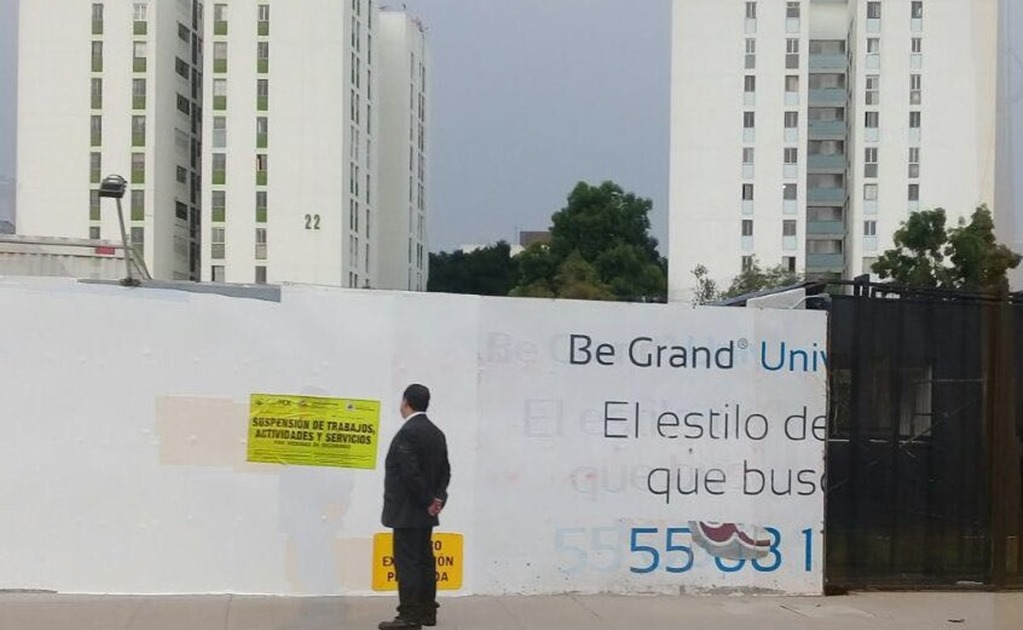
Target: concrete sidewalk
[[895, 611]]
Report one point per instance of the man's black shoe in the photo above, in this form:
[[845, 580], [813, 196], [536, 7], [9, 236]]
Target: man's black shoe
[[400, 623], [430, 619]]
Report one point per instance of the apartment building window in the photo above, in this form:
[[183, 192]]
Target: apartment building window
[[870, 162], [749, 120], [138, 93], [788, 263], [263, 20], [870, 192], [220, 19], [914, 120], [219, 94], [138, 57], [219, 169], [263, 57], [138, 205], [747, 192], [917, 45], [218, 243], [827, 81], [262, 95], [792, 83], [219, 132], [261, 206], [95, 167], [747, 155], [751, 53], [915, 93], [827, 147], [792, 52], [917, 9], [791, 155], [94, 207], [97, 56], [873, 10], [873, 53], [181, 67], [747, 227], [260, 274], [827, 246], [220, 57], [138, 131], [94, 233], [97, 93], [792, 10], [914, 162], [261, 169], [790, 192], [824, 213], [747, 263], [138, 240], [182, 175], [873, 92], [141, 15], [184, 34], [750, 83], [97, 18], [914, 192], [184, 105], [96, 131], [791, 120], [870, 228], [788, 228], [262, 132], [260, 243], [138, 168], [218, 206], [872, 120], [217, 273]]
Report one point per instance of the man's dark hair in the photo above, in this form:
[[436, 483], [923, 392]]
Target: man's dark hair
[[417, 397]]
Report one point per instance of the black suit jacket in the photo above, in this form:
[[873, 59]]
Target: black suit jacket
[[416, 472]]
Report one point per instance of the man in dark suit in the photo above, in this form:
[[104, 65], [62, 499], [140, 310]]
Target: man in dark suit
[[416, 479]]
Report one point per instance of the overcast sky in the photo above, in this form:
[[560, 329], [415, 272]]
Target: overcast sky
[[528, 97]]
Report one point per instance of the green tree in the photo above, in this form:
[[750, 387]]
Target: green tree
[[487, 271], [929, 255], [754, 278], [609, 230], [706, 287]]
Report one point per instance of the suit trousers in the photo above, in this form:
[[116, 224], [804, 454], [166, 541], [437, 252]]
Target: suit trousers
[[416, 572]]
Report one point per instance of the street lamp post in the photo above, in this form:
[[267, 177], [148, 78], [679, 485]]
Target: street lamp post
[[113, 187]]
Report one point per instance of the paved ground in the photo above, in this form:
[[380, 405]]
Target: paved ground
[[888, 611]]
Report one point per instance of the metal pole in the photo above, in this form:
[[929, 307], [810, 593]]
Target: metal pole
[[129, 280]]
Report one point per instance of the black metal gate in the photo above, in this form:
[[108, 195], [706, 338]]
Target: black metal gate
[[924, 471]]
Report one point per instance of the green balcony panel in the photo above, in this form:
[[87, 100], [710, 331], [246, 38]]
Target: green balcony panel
[[220, 28], [219, 103], [138, 214], [139, 64], [97, 101], [826, 228], [97, 27], [219, 178], [261, 141], [828, 62], [826, 163], [829, 195], [261, 178], [220, 66], [95, 177], [262, 103], [97, 64], [260, 215], [827, 130], [138, 102], [829, 96], [138, 139], [94, 214], [263, 66], [825, 262], [264, 29], [138, 177], [141, 28], [219, 215]]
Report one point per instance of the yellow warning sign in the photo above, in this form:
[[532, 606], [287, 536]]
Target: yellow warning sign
[[447, 549], [312, 431]]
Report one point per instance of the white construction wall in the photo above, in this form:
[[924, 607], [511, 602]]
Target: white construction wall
[[576, 467]]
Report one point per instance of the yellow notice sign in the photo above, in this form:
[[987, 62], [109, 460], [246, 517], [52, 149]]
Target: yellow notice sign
[[448, 549], [309, 431]]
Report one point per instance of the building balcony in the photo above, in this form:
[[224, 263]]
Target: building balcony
[[141, 28], [826, 195], [261, 140], [262, 103], [829, 96], [828, 130], [825, 228], [260, 214], [263, 29], [828, 62], [262, 66], [219, 178], [139, 64], [219, 215], [138, 139], [219, 66], [825, 262], [261, 178], [219, 103], [138, 102], [826, 164], [220, 27]]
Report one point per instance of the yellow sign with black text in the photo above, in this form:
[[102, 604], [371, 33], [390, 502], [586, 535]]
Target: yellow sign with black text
[[448, 550], [311, 431]]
